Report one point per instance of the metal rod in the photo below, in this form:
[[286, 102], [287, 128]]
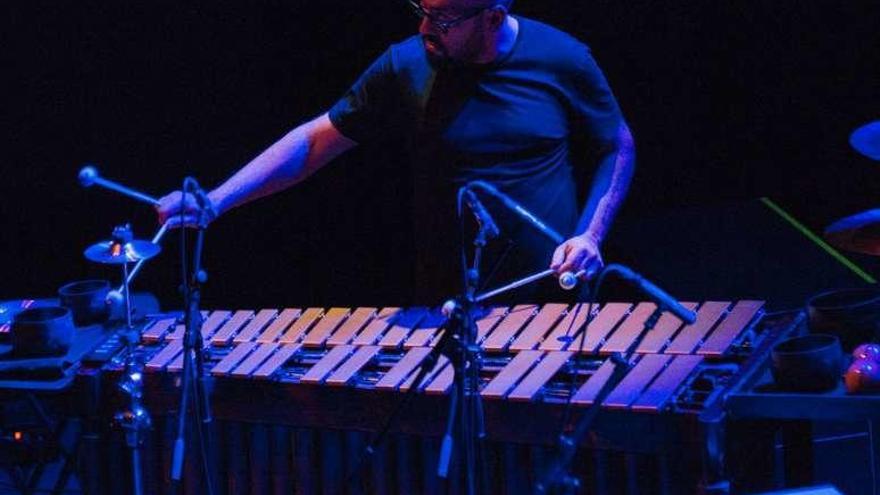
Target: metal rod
[[137, 267], [127, 293]]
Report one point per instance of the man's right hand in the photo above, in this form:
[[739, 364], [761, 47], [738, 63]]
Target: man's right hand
[[170, 207]]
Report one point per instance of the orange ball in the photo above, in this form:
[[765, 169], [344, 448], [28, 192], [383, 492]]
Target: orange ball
[[863, 375]]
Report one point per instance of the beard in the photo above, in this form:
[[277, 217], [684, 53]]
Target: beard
[[439, 54], [435, 50]]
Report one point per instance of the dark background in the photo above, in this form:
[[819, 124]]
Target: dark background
[[728, 101]]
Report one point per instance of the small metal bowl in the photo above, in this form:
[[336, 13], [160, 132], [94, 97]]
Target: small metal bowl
[[810, 363], [46, 331], [86, 300]]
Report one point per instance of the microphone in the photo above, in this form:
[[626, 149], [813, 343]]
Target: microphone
[[483, 217], [658, 295], [518, 209]]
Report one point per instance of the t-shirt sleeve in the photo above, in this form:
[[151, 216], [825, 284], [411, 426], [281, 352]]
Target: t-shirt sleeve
[[361, 113], [595, 109]]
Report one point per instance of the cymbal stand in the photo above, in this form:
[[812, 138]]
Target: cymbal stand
[[135, 420]]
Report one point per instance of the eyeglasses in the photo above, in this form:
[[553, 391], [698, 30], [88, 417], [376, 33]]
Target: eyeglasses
[[444, 25]]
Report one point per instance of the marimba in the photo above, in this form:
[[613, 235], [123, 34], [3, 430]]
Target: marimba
[[294, 390], [525, 351]]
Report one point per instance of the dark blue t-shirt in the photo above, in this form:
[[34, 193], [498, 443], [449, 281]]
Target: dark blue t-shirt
[[509, 122]]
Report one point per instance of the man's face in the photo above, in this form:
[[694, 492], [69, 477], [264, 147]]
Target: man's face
[[462, 41]]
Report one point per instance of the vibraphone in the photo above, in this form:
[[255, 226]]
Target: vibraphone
[[296, 393]]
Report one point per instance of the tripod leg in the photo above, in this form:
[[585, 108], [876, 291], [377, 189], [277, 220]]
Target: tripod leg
[[179, 443], [136, 470], [448, 442], [204, 422]]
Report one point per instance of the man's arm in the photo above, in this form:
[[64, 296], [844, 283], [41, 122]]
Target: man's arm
[[294, 157], [609, 188]]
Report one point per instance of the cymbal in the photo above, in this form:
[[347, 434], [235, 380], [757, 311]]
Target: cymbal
[[117, 253], [866, 140], [859, 233]]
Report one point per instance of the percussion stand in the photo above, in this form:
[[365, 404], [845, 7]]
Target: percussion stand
[[557, 473], [136, 420], [194, 382]]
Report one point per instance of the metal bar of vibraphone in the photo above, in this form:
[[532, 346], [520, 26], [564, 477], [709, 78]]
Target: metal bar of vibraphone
[[587, 393], [667, 326], [737, 320], [404, 323], [276, 361], [298, 328], [233, 358], [488, 322], [278, 326], [529, 387], [636, 380], [441, 382], [350, 367], [690, 336], [255, 326], [508, 327], [164, 356], [398, 373], [506, 379], [223, 336], [154, 332], [325, 327], [628, 330], [423, 336], [254, 359], [601, 326], [213, 322], [327, 364], [542, 323], [669, 380], [180, 328], [351, 326], [439, 367], [567, 326], [374, 330]]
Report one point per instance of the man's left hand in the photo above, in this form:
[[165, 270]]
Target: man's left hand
[[581, 252]]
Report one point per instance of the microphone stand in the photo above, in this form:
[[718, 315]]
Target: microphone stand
[[458, 343], [558, 471], [194, 382], [464, 421]]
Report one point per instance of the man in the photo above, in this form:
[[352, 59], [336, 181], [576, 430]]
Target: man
[[478, 94]]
